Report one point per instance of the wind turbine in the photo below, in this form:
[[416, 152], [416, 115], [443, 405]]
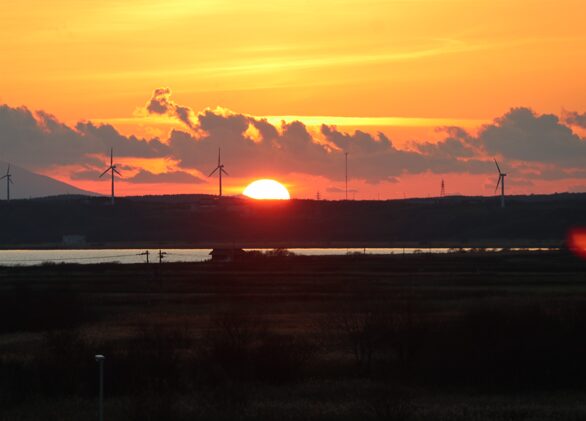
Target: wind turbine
[[9, 181], [500, 181], [220, 169], [113, 169], [346, 167]]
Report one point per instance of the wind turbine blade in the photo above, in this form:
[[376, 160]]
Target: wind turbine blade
[[497, 167], [2, 178], [212, 173], [111, 156], [219, 154], [109, 168], [116, 171], [224, 171], [497, 184], [11, 182]]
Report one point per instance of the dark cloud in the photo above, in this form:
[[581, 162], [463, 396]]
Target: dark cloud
[[457, 144], [39, 140], [376, 159], [290, 149], [573, 118], [528, 145], [360, 143], [128, 146], [161, 103], [175, 177], [372, 158], [267, 131], [523, 135]]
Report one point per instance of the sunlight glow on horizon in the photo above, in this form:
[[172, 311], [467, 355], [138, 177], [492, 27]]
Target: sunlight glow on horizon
[[266, 189], [313, 120]]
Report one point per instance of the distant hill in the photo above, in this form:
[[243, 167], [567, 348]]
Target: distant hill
[[28, 184], [207, 221]]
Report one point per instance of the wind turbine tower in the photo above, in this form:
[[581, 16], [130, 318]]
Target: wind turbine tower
[[112, 169], [220, 169], [9, 181], [500, 181], [346, 155], [443, 189]]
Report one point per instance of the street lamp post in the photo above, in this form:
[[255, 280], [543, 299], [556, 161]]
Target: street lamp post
[[100, 360]]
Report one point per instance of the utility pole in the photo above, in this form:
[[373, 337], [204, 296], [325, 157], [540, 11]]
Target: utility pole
[[100, 360], [162, 255], [346, 155], [145, 253]]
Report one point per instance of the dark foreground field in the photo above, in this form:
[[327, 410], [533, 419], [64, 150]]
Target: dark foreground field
[[469, 336]]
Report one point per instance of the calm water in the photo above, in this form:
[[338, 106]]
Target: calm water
[[37, 257]]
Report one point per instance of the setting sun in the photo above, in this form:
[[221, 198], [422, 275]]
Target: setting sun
[[266, 189]]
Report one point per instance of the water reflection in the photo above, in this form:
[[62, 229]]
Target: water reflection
[[129, 256]]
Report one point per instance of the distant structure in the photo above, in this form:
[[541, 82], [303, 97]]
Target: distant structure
[[346, 155], [500, 181], [443, 189], [145, 253], [9, 181], [113, 169], [220, 170], [162, 255], [318, 196], [225, 255]]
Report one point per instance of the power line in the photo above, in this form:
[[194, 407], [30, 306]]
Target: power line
[[64, 259]]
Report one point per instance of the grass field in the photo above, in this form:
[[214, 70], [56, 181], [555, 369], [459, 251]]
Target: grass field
[[461, 336]]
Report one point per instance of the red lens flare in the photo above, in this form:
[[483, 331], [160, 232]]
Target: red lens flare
[[577, 242]]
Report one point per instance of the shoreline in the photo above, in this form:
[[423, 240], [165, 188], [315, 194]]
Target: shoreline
[[207, 245]]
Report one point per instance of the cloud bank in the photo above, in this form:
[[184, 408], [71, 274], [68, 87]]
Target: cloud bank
[[529, 145]]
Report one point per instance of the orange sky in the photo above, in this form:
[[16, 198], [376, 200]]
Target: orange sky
[[401, 67]]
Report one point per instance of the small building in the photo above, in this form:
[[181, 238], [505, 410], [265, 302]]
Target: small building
[[225, 255]]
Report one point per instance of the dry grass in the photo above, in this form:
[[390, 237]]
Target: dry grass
[[421, 338]]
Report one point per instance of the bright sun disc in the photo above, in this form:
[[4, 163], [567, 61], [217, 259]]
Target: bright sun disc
[[266, 189]]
